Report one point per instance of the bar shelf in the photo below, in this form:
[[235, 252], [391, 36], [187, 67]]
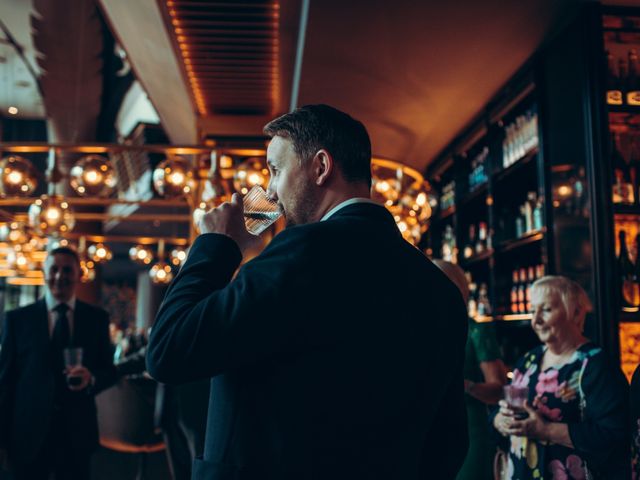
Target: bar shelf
[[474, 259], [516, 166], [527, 239]]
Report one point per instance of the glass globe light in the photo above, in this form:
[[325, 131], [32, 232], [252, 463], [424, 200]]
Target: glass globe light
[[141, 254], [93, 175], [173, 177], [13, 233], [177, 256], [20, 262], [51, 215], [87, 270], [249, 173], [18, 176], [99, 252], [409, 226], [161, 273]]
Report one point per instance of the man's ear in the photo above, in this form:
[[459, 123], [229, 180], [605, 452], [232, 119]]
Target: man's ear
[[322, 165]]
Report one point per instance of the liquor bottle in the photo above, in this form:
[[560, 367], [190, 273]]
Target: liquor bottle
[[447, 242], [531, 277], [522, 289], [633, 79], [622, 191], [482, 237], [627, 275], [614, 92], [514, 291], [484, 307], [468, 249], [472, 305], [537, 215]]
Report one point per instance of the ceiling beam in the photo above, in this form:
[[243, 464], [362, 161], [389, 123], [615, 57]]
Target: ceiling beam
[[140, 29]]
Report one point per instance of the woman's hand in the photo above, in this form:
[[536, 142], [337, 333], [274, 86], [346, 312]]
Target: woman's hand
[[532, 427], [503, 421]]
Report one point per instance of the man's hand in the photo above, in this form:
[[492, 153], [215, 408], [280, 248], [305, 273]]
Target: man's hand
[[227, 219], [80, 372]]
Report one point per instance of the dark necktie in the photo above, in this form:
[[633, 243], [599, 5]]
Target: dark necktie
[[61, 336]]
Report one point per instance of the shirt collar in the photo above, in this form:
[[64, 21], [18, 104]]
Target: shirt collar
[[346, 203], [53, 303]]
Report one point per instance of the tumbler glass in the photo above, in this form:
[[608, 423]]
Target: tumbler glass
[[259, 210]]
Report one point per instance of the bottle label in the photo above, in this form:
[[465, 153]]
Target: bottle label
[[614, 97], [633, 98]]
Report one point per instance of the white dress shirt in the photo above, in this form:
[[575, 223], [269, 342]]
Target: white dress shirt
[[346, 203], [53, 316]]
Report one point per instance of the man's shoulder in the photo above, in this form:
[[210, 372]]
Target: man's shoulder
[[26, 310]]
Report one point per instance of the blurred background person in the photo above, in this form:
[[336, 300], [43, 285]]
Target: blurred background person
[[567, 413], [48, 420], [180, 412], [484, 377]]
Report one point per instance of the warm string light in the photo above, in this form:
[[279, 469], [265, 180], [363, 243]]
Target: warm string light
[[51, 215], [161, 272], [400, 188], [173, 177], [99, 253], [141, 254], [18, 177], [93, 175]]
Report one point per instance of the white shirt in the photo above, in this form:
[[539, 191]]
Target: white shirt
[[53, 316], [346, 203]]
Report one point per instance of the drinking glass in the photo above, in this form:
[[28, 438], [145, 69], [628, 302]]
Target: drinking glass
[[259, 210], [73, 358], [515, 397]]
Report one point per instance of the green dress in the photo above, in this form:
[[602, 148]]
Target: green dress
[[482, 346]]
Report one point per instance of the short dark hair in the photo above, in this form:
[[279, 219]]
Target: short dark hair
[[66, 251], [315, 127]]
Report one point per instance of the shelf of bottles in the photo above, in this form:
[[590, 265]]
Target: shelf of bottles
[[491, 215], [622, 43]]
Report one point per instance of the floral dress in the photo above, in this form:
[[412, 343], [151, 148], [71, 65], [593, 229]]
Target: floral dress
[[598, 430]]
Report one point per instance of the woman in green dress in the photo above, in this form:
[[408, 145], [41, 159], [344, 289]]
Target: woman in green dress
[[485, 375]]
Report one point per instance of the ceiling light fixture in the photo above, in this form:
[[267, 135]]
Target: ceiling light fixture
[[18, 177], [93, 176], [51, 215]]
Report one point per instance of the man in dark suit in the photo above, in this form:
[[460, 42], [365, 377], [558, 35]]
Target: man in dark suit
[[47, 425], [335, 353]]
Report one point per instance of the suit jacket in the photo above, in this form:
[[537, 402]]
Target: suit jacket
[[336, 353], [27, 383]]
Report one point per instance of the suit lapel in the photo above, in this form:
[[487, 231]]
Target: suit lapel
[[42, 325]]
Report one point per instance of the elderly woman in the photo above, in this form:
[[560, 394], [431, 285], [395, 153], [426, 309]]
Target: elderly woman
[[577, 409]]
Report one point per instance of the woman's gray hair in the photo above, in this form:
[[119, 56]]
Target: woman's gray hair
[[575, 300]]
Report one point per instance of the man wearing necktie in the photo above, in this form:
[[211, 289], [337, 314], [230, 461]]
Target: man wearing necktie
[[48, 422]]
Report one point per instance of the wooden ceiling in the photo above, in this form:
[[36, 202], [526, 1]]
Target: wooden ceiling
[[229, 53], [415, 72]]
